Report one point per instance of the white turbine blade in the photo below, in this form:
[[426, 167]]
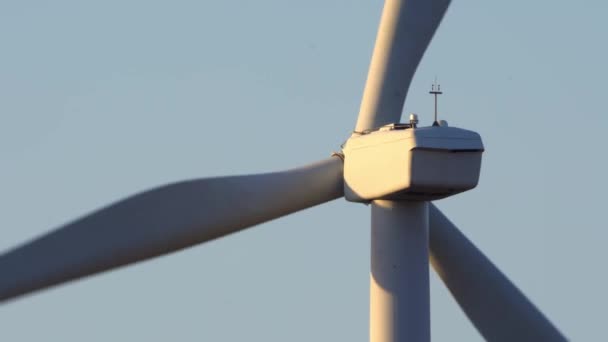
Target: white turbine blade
[[164, 220], [406, 29], [499, 311]]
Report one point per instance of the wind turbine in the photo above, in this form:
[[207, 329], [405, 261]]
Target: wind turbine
[[422, 164]]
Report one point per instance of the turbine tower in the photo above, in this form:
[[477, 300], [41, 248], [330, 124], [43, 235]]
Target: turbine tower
[[397, 168]]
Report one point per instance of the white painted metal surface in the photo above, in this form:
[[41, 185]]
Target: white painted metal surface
[[406, 29], [399, 308], [399, 294], [425, 163]]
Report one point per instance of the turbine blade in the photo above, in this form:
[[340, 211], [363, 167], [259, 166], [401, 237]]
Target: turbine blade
[[164, 220], [406, 29], [499, 311]]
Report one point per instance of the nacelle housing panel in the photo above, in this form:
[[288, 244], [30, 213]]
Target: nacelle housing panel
[[426, 163]]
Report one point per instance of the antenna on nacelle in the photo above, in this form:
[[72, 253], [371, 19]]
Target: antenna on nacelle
[[435, 90]]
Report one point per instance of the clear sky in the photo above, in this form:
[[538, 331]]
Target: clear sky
[[101, 100]]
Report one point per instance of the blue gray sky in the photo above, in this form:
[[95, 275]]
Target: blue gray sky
[[102, 100]]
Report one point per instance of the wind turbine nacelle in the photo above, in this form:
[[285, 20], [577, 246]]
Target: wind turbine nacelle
[[397, 162]]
